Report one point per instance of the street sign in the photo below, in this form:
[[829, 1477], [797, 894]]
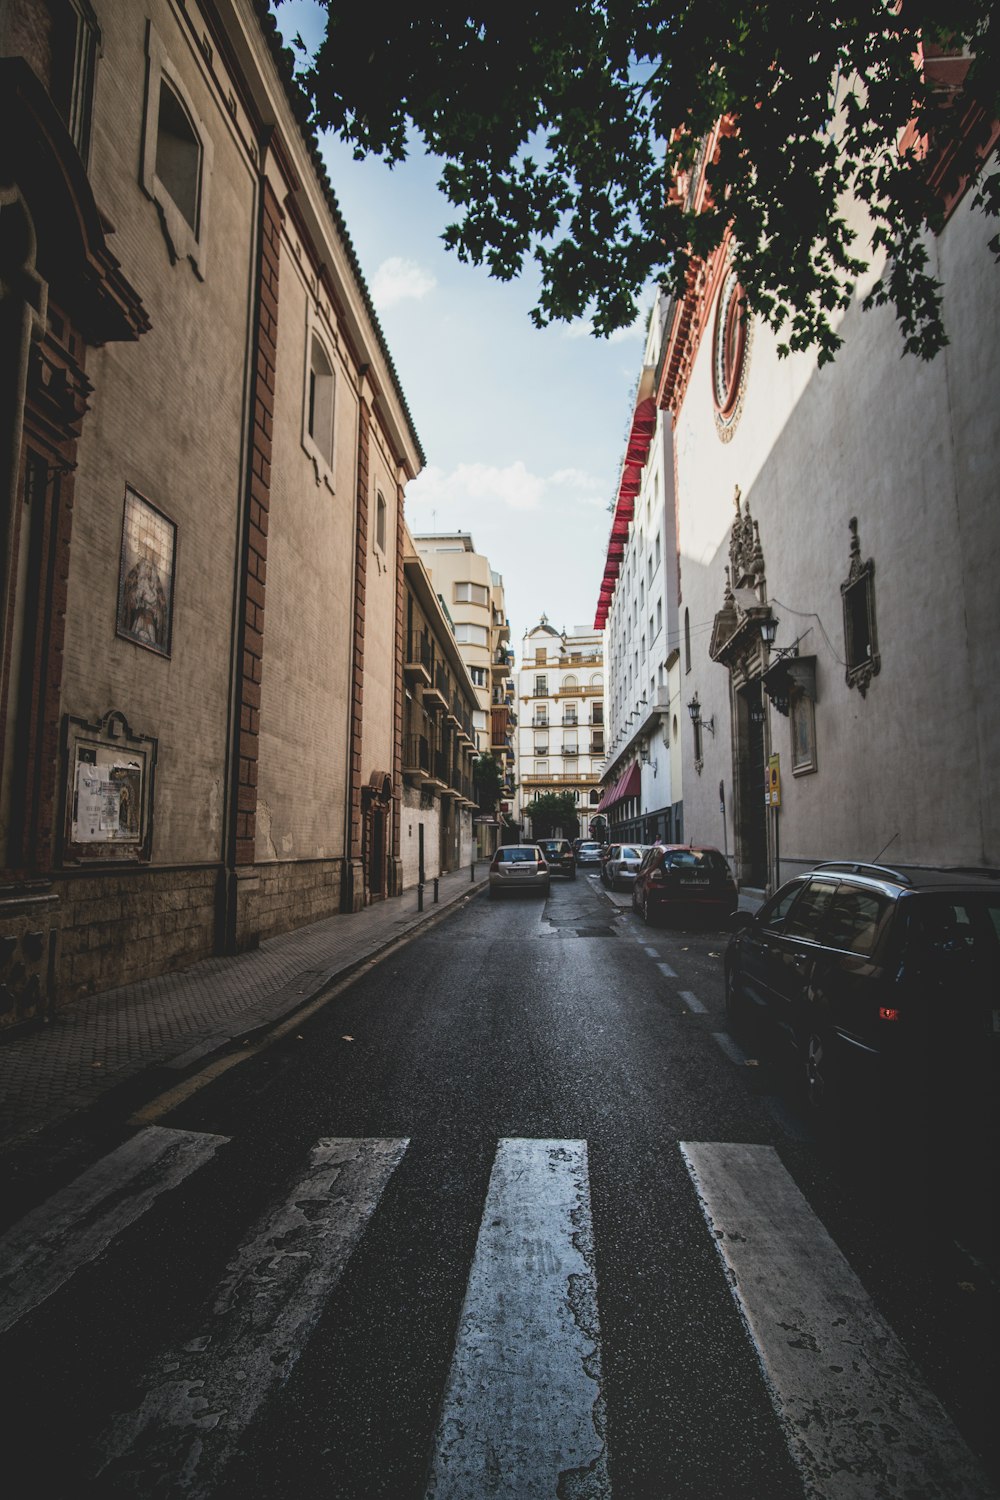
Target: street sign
[[772, 790]]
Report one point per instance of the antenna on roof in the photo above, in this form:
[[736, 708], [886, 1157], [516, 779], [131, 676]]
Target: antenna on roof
[[884, 848]]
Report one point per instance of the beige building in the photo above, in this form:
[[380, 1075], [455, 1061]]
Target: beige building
[[473, 595], [204, 447], [440, 702], [560, 691]]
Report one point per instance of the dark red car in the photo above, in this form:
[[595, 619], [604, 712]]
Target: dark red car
[[684, 881]]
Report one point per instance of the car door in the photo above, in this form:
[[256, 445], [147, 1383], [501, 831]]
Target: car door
[[755, 948], [844, 990], [789, 953]]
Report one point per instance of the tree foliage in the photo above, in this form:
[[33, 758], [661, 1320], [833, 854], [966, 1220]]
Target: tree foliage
[[488, 779], [562, 126], [553, 811]]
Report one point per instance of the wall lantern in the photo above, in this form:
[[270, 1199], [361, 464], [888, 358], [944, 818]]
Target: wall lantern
[[694, 709], [769, 629]]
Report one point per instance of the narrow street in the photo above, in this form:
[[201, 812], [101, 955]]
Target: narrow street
[[515, 1215]]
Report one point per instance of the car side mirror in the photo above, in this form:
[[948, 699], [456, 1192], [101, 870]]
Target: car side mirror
[[741, 920]]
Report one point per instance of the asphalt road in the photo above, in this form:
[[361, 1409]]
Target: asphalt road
[[512, 1215]]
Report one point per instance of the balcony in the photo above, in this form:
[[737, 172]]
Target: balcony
[[418, 658], [437, 692], [416, 758]]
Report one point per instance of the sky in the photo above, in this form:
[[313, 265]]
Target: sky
[[523, 429]]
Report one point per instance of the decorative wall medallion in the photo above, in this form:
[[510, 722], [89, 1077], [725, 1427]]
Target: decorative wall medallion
[[731, 344]]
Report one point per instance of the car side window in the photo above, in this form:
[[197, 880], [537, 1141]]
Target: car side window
[[774, 912], [855, 918], [806, 918]]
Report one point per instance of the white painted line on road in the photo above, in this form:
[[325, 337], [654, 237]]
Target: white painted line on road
[[857, 1416], [730, 1047], [653, 952], [691, 1001], [201, 1396], [523, 1413], [43, 1250], [667, 971]]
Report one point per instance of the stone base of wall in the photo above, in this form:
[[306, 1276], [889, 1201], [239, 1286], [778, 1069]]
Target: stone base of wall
[[121, 926], [29, 933], [286, 896]]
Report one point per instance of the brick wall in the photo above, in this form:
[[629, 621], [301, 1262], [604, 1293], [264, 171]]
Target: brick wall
[[294, 894]]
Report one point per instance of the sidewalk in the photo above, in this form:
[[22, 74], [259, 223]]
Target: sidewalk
[[179, 1019]]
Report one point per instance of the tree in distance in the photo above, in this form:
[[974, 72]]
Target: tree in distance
[[553, 813], [564, 127]]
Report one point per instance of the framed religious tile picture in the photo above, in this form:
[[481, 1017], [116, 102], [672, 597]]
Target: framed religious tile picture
[[146, 574], [110, 771], [803, 720]]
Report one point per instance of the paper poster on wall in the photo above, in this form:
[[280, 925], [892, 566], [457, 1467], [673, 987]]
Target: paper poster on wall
[[108, 800]]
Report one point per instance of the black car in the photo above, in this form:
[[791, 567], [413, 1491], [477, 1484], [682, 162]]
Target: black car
[[878, 986], [559, 856]]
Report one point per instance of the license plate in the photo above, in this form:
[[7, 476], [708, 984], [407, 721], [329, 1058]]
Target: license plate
[[694, 880]]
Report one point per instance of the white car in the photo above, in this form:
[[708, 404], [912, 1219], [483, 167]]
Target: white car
[[518, 867], [622, 864]]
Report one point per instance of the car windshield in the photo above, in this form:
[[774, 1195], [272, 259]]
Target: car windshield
[[631, 852], [704, 861]]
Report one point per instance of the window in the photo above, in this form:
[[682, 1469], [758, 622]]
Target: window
[[472, 635], [806, 921], [860, 634], [774, 912], [380, 521], [659, 615], [541, 768], [854, 920], [478, 675], [540, 656], [472, 593], [320, 390], [73, 45], [541, 686], [177, 159]]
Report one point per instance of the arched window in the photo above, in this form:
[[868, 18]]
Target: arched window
[[380, 521], [687, 641], [178, 154], [570, 681]]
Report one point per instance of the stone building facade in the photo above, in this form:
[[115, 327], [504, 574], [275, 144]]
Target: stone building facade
[[204, 449]]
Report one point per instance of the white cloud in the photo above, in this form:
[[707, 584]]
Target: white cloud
[[399, 280], [459, 494], [582, 328]]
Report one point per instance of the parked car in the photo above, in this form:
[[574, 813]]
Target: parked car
[[622, 865], [589, 852], [684, 881], [879, 980], [518, 867], [559, 857]]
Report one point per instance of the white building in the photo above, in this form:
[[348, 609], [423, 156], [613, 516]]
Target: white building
[[838, 547], [641, 779], [560, 689]]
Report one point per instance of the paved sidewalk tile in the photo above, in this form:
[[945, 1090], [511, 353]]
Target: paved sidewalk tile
[[175, 1019]]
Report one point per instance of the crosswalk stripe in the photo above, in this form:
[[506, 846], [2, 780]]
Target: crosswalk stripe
[[524, 1411], [858, 1419], [691, 1001], [43, 1250], [200, 1397], [667, 971]]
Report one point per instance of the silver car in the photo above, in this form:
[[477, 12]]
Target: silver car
[[622, 863], [518, 867]]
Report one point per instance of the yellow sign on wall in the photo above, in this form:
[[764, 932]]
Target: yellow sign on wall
[[772, 792]]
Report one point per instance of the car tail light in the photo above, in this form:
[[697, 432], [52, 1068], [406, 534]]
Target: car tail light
[[495, 863], [889, 1013]]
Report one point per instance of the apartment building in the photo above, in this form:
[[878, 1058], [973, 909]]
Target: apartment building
[[560, 691], [472, 595]]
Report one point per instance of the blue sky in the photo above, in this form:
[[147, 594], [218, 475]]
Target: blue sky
[[523, 429]]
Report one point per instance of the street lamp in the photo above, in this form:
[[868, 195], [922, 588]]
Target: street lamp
[[769, 629]]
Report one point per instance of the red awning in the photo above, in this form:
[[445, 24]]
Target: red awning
[[627, 785]]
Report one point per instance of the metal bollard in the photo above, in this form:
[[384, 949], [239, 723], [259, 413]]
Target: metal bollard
[[435, 890], [472, 873], [420, 897]]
